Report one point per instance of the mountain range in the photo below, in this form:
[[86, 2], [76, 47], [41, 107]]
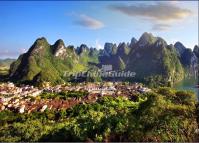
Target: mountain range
[[6, 62], [153, 60]]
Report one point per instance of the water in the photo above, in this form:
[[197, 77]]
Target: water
[[188, 84]]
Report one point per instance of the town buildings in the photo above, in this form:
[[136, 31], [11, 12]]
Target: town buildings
[[23, 99]]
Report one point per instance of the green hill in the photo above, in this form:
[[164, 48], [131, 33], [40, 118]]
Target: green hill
[[154, 61], [45, 62]]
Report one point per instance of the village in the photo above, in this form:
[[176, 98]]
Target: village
[[25, 98]]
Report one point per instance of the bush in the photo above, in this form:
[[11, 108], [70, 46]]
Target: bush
[[164, 115]]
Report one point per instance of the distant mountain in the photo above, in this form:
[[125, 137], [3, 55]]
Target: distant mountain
[[180, 48], [87, 55], [186, 55], [6, 62], [153, 60], [133, 42], [188, 58], [109, 49]]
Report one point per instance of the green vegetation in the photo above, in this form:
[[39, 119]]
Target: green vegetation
[[4, 71], [44, 63], [163, 115], [64, 95], [5, 66], [156, 66], [154, 61], [121, 64], [40, 64]]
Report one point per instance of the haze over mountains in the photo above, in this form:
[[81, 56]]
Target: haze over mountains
[[6, 62], [151, 58]]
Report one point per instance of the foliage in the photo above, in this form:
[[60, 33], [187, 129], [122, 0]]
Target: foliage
[[64, 95], [40, 64], [163, 115], [121, 64]]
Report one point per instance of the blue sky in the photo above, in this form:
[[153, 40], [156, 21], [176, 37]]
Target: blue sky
[[94, 23]]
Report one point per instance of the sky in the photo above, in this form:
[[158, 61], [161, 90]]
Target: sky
[[94, 22]]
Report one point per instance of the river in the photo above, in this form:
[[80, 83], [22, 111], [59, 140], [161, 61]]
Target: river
[[188, 84]]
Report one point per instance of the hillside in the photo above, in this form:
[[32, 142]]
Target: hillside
[[6, 62], [45, 62], [164, 115], [4, 67], [154, 61]]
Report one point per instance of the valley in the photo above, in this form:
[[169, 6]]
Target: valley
[[44, 96], [99, 71]]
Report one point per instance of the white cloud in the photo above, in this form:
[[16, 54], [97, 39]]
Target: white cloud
[[160, 27], [89, 22], [160, 14]]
